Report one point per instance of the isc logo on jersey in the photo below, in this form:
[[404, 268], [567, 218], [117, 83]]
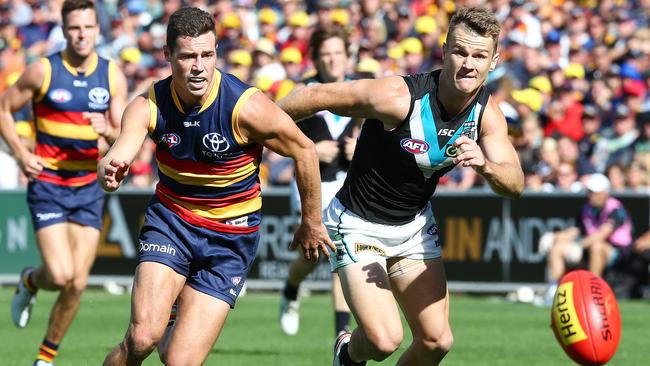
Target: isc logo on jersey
[[414, 146]]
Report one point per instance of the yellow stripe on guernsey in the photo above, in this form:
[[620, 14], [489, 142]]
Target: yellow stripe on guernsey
[[208, 102], [47, 78], [112, 71], [72, 165], [92, 65], [222, 180], [153, 108], [235, 115], [67, 130], [220, 213]]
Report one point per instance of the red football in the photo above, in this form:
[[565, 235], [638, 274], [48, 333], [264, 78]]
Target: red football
[[585, 318]]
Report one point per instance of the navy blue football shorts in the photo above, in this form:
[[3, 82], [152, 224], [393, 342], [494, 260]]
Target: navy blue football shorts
[[52, 204], [215, 263]]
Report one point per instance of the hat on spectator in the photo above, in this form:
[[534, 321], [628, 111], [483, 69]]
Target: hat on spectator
[[574, 70], [597, 183], [395, 52], [340, 16], [283, 88], [299, 19], [529, 97], [541, 83], [131, 54], [590, 110], [136, 6], [267, 16], [240, 57], [622, 111], [425, 25], [327, 4], [263, 83], [369, 65], [412, 45], [265, 46], [553, 37], [634, 87], [231, 20], [291, 54]]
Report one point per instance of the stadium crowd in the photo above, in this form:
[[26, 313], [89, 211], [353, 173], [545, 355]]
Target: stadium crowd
[[573, 79]]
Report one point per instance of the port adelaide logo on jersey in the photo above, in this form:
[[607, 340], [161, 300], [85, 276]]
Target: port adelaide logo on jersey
[[414, 146], [99, 98]]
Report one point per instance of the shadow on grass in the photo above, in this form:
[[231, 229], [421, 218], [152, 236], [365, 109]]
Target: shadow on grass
[[246, 351]]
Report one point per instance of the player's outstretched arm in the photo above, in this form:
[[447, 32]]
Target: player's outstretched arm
[[112, 169], [261, 121], [387, 99], [12, 100], [495, 159]]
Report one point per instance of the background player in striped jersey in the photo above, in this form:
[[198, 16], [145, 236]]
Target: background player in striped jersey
[[418, 128], [201, 232], [78, 98]]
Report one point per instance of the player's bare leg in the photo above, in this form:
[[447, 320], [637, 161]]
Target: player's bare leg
[[599, 255], [368, 292], [341, 308], [556, 259], [83, 247], [421, 290], [198, 324], [289, 302], [155, 288]]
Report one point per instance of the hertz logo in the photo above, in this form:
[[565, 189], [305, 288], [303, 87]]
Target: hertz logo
[[566, 319]]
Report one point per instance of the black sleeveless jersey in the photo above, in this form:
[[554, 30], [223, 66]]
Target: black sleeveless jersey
[[394, 173]]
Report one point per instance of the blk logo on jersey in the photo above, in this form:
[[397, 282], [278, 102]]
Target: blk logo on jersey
[[170, 139], [60, 95], [414, 146]]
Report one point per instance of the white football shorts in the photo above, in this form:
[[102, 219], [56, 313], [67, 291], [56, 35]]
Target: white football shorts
[[359, 240]]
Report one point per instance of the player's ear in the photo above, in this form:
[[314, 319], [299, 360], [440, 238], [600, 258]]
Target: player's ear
[[493, 63], [167, 54]]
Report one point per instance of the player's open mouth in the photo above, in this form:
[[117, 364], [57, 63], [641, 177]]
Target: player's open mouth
[[196, 82]]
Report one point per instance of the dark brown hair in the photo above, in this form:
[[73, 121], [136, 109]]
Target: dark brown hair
[[188, 22], [321, 35], [479, 20], [71, 5]]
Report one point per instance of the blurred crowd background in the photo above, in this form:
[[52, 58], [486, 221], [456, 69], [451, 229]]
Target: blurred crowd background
[[573, 78]]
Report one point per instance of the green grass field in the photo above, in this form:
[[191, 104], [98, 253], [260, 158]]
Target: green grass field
[[487, 331]]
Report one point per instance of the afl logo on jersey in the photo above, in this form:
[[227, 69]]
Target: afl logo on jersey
[[215, 142], [414, 146], [170, 139], [98, 98], [60, 95]]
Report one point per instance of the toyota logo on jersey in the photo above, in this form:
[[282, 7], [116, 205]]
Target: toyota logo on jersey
[[215, 142], [414, 146]]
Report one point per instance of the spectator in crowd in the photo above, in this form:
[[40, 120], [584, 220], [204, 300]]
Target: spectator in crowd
[[604, 235]]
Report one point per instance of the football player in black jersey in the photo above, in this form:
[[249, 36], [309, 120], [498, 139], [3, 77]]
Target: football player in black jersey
[[417, 128]]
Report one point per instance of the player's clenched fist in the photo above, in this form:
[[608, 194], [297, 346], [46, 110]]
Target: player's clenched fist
[[468, 153]]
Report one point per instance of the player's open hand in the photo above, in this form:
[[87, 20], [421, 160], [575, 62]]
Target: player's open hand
[[99, 122], [112, 174], [31, 165], [468, 153], [312, 238]]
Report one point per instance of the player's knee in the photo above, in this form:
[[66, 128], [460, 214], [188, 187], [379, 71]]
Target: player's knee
[[440, 342], [79, 283], [141, 341], [60, 277], [385, 342]]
